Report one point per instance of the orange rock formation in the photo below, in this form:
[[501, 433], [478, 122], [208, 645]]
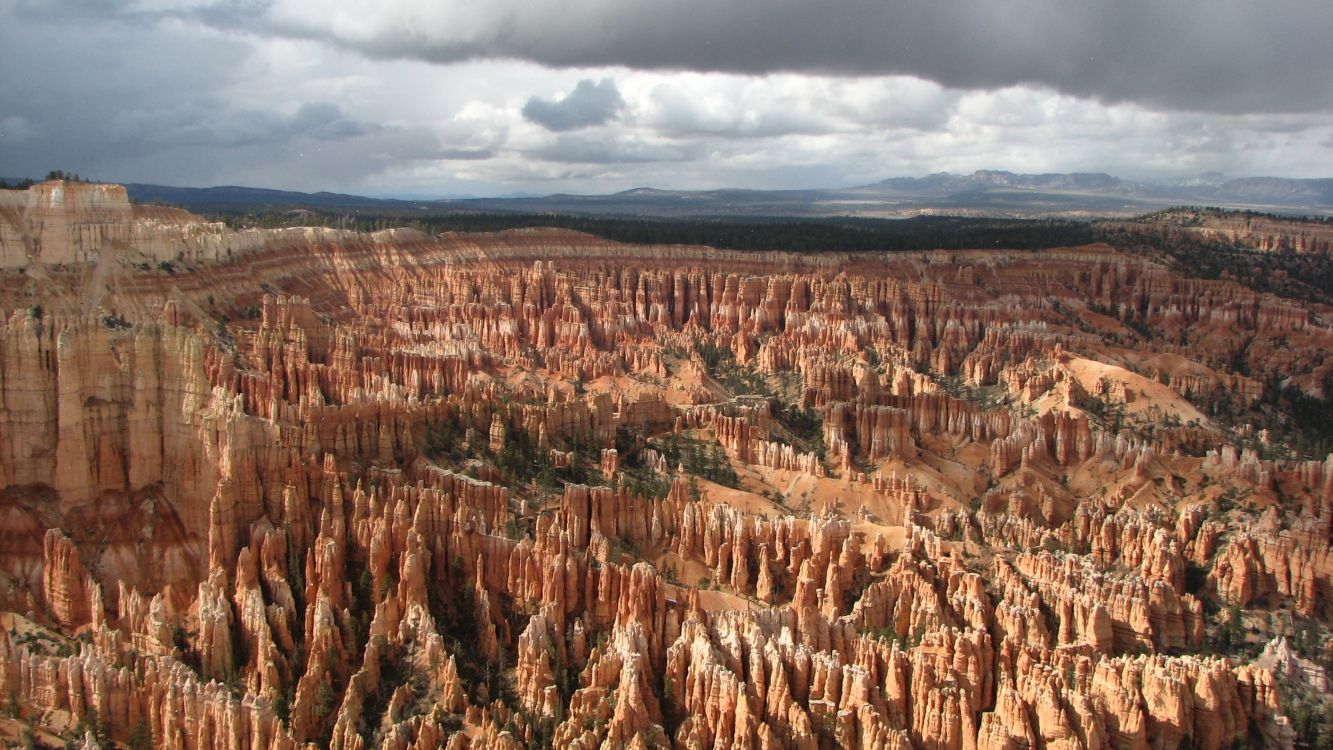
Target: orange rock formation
[[312, 488]]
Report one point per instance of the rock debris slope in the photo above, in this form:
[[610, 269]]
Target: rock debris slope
[[312, 488]]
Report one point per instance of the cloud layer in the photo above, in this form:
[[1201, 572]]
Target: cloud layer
[[1233, 56], [416, 98]]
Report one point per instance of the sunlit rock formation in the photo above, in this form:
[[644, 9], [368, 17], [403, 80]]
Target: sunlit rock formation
[[313, 488]]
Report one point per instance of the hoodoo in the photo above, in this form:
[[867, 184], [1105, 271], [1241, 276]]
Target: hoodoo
[[276, 489]]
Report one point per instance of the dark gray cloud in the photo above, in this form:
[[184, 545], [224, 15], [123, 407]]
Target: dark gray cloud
[[15, 130], [587, 105], [1210, 55], [208, 123], [114, 101]]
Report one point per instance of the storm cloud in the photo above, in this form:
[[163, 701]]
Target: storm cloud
[[408, 97], [205, 123], [1228, 56]]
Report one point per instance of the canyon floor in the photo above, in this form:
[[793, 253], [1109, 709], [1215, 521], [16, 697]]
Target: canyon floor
[[304, 487]]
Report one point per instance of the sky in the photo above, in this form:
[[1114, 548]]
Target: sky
[[434, 98]]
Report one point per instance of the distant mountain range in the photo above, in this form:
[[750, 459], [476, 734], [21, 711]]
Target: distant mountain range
[[982, 193], [1214, 189]]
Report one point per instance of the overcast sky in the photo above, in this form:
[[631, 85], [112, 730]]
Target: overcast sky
[[439, 97]]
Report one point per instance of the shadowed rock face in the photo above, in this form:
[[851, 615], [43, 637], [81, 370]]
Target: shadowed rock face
[[316, 488]]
